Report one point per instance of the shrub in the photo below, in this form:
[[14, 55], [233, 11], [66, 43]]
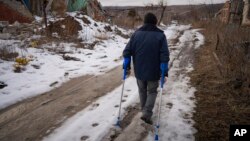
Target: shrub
[[8, 54]]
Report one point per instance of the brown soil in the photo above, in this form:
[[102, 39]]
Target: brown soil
[[218, 104], [132, 111], [137, 130], [71, 27], [32, 118]]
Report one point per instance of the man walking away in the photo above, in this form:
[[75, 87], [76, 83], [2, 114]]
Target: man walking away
[[149, 50]]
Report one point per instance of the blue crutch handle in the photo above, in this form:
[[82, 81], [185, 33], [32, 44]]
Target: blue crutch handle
[[164, 69], [126, 64]]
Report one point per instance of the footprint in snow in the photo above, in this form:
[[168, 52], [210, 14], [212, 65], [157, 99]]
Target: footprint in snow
[[123, 100], [116, 106], [103, 67], [66, 74], [188, 121], [95, 124], [95, 66], [89, 54], [102, 57], [188, 136], [186, 116], [169, 105], [84, 138], [125, 96], [26, 86], [105, 61], [5, 93], [53, 84], [94, 106]]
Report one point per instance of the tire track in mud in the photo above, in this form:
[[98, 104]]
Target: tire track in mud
[[29, 105], [34, 118], [131, 112]]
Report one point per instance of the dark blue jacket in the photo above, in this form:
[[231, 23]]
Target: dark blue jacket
[[148, 47]]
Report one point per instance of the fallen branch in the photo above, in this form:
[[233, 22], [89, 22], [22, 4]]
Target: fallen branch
[[219, 64]]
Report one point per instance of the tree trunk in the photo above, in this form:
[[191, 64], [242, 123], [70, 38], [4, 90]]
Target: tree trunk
[[162, 14], [44, 13]]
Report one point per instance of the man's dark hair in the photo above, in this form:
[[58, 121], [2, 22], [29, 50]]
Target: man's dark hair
[[150, 18]]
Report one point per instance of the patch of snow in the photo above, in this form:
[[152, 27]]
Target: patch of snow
[[103, 116], [38, 18], [63, 26], [173, 30], [200, 39]]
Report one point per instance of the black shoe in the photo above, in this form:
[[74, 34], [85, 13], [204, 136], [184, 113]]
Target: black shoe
[[147, 120]]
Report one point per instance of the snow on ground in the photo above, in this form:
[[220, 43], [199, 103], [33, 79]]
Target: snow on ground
[[174, 30], [177, 107], [199, 37], [53, 68], [96, 120]]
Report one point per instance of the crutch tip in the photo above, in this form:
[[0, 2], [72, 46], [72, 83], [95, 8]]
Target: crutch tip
[[118, 123], [156, 138]]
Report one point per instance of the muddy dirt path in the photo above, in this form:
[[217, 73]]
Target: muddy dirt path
[[35, 118]]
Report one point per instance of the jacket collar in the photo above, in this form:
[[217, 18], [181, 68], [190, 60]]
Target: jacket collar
[[149, 27]]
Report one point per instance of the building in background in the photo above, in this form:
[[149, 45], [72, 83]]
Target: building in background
[[13, 10], [235, 12], [223, 14], [24, 10]]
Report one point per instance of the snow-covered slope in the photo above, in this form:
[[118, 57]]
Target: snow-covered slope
[[47, 66]]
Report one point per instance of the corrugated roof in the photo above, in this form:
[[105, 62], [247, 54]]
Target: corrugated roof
[[76, 5]]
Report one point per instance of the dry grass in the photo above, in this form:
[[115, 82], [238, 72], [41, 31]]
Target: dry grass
[[222, 97], [8, 54]]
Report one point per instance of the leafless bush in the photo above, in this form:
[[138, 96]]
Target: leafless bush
[[8, 53], [232, 45], [132, 13], [233, 49], [126, 18]]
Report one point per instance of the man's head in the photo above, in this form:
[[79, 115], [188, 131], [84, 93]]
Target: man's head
[[150, 18]]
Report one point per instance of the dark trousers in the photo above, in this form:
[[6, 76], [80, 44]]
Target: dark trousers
[[148, 94]]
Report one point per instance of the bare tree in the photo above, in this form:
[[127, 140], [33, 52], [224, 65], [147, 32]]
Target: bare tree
[[163, 5]]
